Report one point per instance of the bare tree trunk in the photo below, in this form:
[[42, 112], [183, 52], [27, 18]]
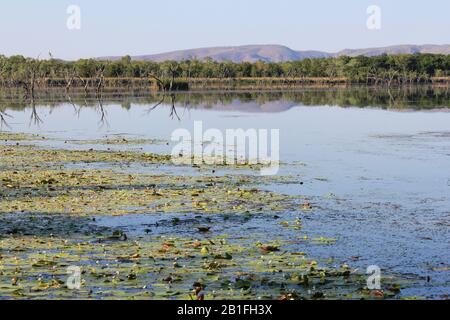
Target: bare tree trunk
[[100, 82]]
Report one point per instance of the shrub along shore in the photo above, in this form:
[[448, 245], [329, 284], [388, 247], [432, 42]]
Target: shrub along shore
[[91, 74]]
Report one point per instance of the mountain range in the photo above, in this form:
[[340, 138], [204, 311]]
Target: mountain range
[[278, 53]]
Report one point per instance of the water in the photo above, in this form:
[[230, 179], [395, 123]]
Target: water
[[376, 169]]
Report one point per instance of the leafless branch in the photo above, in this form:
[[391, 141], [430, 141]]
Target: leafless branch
[[173, 111], [34, 118], [103, 115], [3, 122]]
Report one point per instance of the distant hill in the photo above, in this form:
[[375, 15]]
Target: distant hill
[[252, 53], [402, 49], [277, 53]]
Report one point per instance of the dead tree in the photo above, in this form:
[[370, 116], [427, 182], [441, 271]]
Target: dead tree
[[34, 67], [34, 118], [70, 78], [100, 80], [3, 122], [173, 111], [159, 81], [85, 85], [102, 111], [391, 75]]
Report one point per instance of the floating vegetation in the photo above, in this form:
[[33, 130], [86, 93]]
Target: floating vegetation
[[168, 267], [12, 136], [87, 192], [119, 140], [17, 156], [49, 216]]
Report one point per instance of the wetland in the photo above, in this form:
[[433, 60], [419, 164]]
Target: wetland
[[88, 181]]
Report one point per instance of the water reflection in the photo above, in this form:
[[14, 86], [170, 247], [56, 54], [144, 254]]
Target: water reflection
[[173, 109], [405, 98], [3, 116], [414, 97]]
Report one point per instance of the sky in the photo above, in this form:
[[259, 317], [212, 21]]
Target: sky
[[110, 27]]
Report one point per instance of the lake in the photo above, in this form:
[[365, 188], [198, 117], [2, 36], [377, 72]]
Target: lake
[[373, 164]]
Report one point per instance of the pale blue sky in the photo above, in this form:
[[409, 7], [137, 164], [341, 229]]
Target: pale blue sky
[[134, 27]]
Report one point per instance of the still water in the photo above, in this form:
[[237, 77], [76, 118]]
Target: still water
[[376, 165]]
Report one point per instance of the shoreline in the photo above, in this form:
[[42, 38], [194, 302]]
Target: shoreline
[[93, 85], [403, 98]]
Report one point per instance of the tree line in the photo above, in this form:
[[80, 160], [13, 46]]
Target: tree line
[[19, 71]]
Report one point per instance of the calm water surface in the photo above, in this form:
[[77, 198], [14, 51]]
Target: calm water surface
[[379, 175]]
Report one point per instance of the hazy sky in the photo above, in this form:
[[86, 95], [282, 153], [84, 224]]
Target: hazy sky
[[134, 27]]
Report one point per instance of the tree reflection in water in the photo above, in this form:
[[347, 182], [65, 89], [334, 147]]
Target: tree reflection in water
[[400, 98]]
